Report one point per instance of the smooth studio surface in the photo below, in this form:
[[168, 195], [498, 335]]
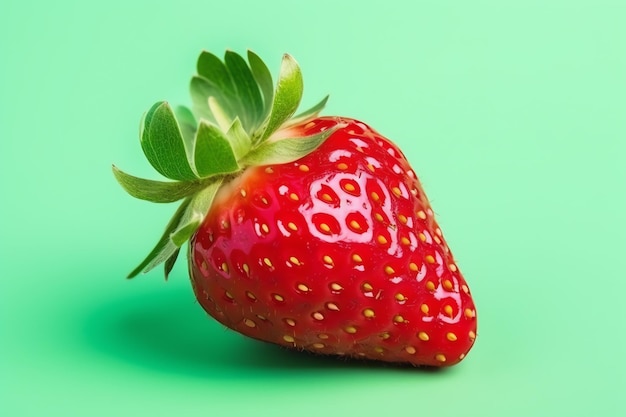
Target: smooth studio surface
[[512, 115]]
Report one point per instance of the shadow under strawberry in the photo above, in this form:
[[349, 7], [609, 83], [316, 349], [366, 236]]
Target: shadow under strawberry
[[163, 331]]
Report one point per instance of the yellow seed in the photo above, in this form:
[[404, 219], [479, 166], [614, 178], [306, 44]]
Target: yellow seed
[[290, 322], [410, 350], [430, 259], [461, 356], [264, 200], [349, 187], [379, 217], [342, 166], [375, 196], [378, 349], [294, 260], [243, 192], [328, 260], [413, 267], [318, 316], [325, 227], [369, 313], [292, 226], [423, 336], [465, 289], [421, 214], [396, 191], [318, 345], [448, 310], [249, 323], [367, 287], [294, 196], [382, 239], [250, 295], [309, 125], [403, 219], [327, 198], [400, 297], [261, 317], [357, 258], [355, 225], [279, 297], [430, 286], [424, 308], [398, 319], [246, 269], [332, 306], [303, 288], [447, 284], [469, 313], [437, 240], [228, 295], [322, 336], [422, 237], [267, 262], [451, 337], [440, 357], [265, 228], [269, 170], [303, 168], [472, 335], [385, 335], [288, 339], [350, 329], [437, 230], [405, 241], [225, 267], [389, 270], [452, 267], [371, 167], [336, 287]]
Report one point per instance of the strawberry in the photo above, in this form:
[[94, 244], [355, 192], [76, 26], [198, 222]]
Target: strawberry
[[309, 232]]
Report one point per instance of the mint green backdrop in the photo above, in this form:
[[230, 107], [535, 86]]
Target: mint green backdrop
[[512, 113]]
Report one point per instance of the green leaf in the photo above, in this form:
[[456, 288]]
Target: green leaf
[[155, 191], [239, 139], [285, 150], [263, 78], [192, 210], [162, 143], [169, 263], [248, 94], [213, 153], [195, 214], [201, 89], [164, 248], [213, 69], [308, 114], [222, 119], [287, 97]]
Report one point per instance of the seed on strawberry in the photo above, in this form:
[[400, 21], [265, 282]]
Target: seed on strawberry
[[308, 232]]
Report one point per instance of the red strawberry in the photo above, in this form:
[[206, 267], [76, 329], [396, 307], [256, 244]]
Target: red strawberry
[[312, 233]]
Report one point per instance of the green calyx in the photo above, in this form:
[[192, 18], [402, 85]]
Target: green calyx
[[236, 111]]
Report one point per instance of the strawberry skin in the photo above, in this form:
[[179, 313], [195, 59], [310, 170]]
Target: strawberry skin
[[335, 253]]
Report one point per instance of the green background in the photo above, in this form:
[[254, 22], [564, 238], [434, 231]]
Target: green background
[[512, 113]]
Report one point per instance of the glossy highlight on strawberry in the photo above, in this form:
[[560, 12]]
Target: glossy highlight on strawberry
[[332, 249]]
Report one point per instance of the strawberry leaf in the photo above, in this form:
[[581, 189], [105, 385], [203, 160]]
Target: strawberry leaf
[[201, 89], [169, 263], [155, 191], [213, 69], [162, 143], [263, 78], [213, 153], [248, 94], [191, 212], [287, 97], [239, 139], [307, 114], [285, 150]]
